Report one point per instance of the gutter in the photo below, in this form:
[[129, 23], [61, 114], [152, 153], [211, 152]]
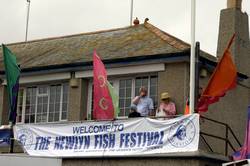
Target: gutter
[[183, 56], [109, 63]]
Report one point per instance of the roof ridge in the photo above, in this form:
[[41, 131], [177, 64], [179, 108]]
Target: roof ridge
[[73, 35], [173, 41]]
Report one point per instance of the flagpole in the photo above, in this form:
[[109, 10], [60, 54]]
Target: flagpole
[[131, 11], [27, 20], [192, 58]]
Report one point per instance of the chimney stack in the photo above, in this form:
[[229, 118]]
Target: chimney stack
[[234, 21], [234, 4]]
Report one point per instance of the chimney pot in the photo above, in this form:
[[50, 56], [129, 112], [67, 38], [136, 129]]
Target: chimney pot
[[136, 21]]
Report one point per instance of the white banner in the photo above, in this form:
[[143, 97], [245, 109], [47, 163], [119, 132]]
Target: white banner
[[110, 138]]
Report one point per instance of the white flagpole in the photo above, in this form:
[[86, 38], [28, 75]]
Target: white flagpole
[[192, 57], [131, 12], [27, 21]]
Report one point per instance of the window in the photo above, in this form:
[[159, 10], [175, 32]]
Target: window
[[127, 89], [41, 104], [125, 96]]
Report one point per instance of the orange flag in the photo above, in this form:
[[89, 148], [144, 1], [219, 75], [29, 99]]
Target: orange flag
[[187, 110], [223, 79]]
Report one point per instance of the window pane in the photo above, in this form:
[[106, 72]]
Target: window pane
[[65, 102], [121, 103], [138, 83], [64, 115], [26, 120], [32, 118], [145, 82], [42, 90], [154, 90], [55, 101], [56, 117], [58, 102], [153, 81], [122, 83], [128, 102], [137, 91], [125, 91], [42, 104], [127, 111], [19, 106], [30, 106], [51, 119], [128, 92], [128, 83], [122, 93]]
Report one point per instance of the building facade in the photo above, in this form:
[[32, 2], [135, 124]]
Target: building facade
[[56, 80]]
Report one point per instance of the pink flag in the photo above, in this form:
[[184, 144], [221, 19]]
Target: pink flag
[[103, 105], [244, 151]]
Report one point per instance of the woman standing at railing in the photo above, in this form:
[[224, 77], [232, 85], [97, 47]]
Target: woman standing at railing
[[167, 107]]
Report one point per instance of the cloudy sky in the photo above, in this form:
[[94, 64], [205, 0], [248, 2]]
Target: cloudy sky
[[50, 18]]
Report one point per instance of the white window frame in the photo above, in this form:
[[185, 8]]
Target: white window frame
[[37, 94], [116, 88], [23, 105]]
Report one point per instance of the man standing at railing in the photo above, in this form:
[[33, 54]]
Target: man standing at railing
[[145, 105]]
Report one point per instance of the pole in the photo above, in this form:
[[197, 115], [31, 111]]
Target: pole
[[197, 74], [12, 138], [192, 58], [13, 123], [131, 12], [27, 20]]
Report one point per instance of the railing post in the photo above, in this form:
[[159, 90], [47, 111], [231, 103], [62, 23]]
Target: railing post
[[226, 143]]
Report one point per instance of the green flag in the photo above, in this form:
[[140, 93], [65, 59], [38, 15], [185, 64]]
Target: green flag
[[12, 72], [115, 99]]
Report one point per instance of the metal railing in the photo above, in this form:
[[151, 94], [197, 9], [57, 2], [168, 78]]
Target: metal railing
[[228, 130]]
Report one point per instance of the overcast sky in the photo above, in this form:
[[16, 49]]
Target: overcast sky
[[50, 18]]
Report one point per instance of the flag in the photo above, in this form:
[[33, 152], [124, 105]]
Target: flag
[[223, 79], [12, 72], [187, 110], [244, 151], [105, 99]]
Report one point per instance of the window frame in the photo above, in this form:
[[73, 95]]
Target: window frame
[[39, 95], [116, 86]]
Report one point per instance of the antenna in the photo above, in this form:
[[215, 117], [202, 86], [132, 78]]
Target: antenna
[[27, 20], [131, 11]]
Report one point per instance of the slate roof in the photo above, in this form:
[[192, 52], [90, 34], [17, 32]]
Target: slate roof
[[133, 41]]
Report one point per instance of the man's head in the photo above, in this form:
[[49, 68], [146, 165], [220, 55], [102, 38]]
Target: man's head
[[143, 91]]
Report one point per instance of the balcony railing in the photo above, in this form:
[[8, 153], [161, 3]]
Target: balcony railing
[[228, 131]]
